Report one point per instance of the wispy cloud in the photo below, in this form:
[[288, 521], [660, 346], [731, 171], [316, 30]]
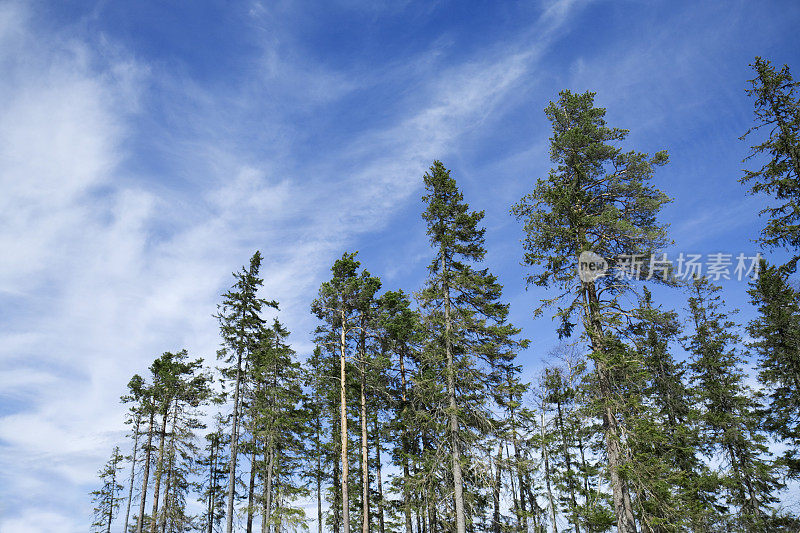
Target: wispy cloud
[[107, 264]]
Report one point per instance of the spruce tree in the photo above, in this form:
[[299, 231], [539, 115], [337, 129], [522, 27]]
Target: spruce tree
[[678, 493], [597, 198], [731, 425], [777, 109], [776, 334], [468, 335], [106, 498], [240, 321], [280, 427]]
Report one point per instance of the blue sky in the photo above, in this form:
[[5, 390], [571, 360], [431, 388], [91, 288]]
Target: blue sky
[[147, 150]]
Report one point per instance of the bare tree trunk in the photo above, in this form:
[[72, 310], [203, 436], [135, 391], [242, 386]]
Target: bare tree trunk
[[268, 488], [159, 470], [319, 486], [343, 426], [337, 485], [496, 492], [406, 448], [365, 525], [133, 468], [378, 481], [458, 483], [145, 480]]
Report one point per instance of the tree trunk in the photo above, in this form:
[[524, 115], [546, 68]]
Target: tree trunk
[[252, 488], [234, 444], [319, 482], [145, 480], [133, 469], [364, 442], [546, 458], [343, 426], [159, 470], [406, 448], [170, 467], [114, 463], [458, 483], [568, 462], [268, 487], [337, 486], [622, 502], [212, 486], [496, 492], [378, 481]]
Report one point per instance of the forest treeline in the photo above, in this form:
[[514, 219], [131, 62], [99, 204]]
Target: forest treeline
[[411, 414]]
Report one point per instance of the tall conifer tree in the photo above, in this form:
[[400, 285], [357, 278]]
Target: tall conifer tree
[[776, 334], [777, 109], [240, 321], [599, 199], [468, 333]]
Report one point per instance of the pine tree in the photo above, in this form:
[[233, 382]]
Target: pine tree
[[598, 198], [468, 336], [149, 408], [400, 330], [240, 321], [776, 334], [777, 108], [731, 426], [106, 498], [337, 305]]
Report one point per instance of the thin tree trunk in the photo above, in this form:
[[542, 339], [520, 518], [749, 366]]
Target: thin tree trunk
[[343, 426], [546, 458], [585, 477], [319, 481], [234, 444], [365, 525], [133, 468], [252, 487], [170, 467], [378, 481], [212, 486], [146, 476], [521, 480], [159, 470], [570, 481], [337, 485], [111, 496], [270, 468], [405, 446], [458, 483], [496, 492]]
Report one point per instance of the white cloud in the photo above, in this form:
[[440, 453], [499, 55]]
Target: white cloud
[[104, 269]]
